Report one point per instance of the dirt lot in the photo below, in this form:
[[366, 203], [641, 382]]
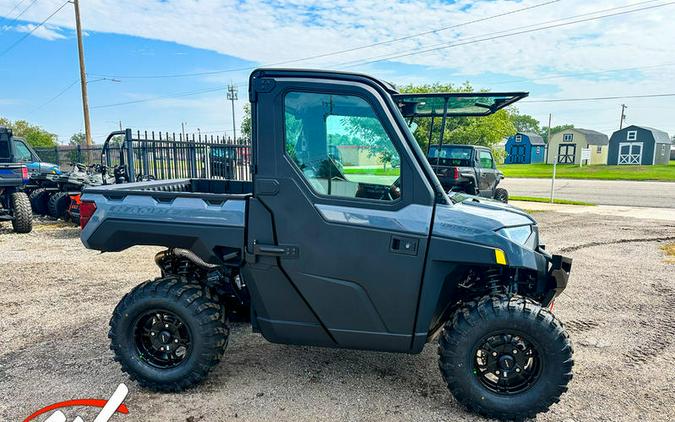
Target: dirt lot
[[56, 298]]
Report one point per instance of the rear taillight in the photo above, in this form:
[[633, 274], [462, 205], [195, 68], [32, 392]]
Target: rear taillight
[[455, 173], [87, 209], [24, 174]]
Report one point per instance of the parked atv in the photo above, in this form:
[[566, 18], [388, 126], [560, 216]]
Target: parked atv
[[71, 184], [14, 203]]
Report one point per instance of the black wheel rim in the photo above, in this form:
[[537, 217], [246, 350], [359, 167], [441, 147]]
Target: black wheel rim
[[162, 339], [506, 363]]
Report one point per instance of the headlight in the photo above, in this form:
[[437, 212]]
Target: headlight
[[522, 235]]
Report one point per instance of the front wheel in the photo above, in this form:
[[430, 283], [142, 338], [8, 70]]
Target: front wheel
[[501, 195], [505, 357], [167, 333], [23, 215]]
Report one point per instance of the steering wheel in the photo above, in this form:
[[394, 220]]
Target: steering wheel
[[393, 192]]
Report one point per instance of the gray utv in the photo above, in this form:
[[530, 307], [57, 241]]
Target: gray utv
[[344, 238]]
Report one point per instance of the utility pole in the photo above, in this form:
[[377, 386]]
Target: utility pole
[[232, 96], [83, 76], [182, 128], [555, 157], [623, 115]]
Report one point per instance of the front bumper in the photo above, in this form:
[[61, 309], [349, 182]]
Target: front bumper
[[558, 274]]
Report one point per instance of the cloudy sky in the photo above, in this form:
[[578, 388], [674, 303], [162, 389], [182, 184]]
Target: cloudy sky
[[171, 60]]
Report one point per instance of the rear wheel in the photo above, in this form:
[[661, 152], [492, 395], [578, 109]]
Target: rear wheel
[[167, 334], [39, 201], [505, 357], [502, 195], [58, 204], [23, 216]]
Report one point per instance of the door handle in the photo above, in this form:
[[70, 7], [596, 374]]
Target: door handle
[[404, 245], [283, 251]]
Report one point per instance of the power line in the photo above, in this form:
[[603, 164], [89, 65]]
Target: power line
[[617, 97], [489, 38], [333, 53], [454, 45], [17, 42], [16, 18], [177, 95], [63, 91], [16, 6]]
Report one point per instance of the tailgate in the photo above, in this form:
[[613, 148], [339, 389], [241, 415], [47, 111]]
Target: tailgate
[[13, 174]]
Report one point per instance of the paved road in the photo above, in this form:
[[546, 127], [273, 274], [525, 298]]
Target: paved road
[[602, 192]]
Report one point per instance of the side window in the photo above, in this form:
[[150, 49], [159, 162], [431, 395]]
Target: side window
[[22, 153], [485, 159], [340, 146], [568, 137], [631, 135]]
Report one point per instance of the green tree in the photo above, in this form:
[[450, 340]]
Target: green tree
[[246, 122], [524, 122], [34, 135], [487, 131], [78, 139]]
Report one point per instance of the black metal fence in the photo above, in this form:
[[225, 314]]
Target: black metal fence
[[162, 155]]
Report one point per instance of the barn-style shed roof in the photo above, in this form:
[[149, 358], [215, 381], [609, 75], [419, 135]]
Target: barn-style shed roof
[[593, 137], [534, 138], [660, 136]]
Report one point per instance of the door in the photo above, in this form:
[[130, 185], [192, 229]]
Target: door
[[349, 237], [630, 153], [567, 153], [517, 155], [486, 172]]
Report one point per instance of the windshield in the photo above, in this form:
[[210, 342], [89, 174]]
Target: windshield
[[451, 155], [455, 104]]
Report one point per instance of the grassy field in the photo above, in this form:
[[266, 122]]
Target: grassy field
[[664, 173], [373, 171], [547, 200]]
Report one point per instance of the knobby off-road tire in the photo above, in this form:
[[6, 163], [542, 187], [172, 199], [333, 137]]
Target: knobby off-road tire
[[501, 195], [23, 215], [58, 204], [39, 201], [202, 321], [492, 318]]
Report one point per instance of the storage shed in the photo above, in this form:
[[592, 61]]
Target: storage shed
[[565, 147], [525, 148], [639, 145]]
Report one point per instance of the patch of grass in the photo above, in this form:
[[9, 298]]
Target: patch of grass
[[547, 200], [664, 173], [669, 250], [379, 171]]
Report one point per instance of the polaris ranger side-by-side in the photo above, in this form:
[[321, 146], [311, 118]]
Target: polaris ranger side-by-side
[[337, 250]]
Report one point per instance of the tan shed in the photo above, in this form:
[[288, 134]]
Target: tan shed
[[566, 146]]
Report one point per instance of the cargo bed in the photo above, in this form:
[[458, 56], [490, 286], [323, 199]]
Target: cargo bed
[[204, 216]]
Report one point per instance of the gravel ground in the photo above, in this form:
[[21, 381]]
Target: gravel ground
[[56, 298]]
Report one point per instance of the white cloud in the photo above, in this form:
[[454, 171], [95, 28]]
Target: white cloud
[[49, 33], [271, 31]]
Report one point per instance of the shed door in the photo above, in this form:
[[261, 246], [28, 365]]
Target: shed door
[[567, 153], [519, 154], [630, 153]]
